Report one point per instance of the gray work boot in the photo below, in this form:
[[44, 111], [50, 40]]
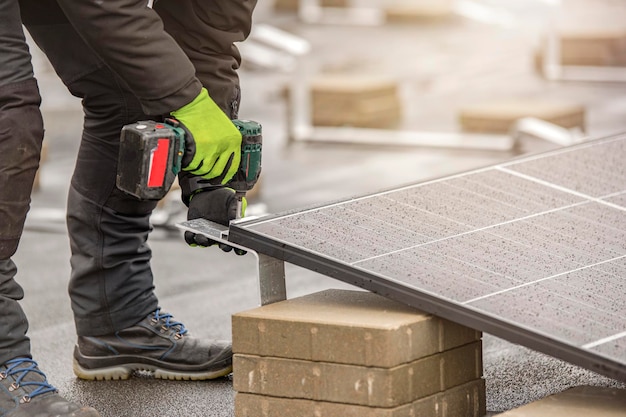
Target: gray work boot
[[157, 344], [25, 392]]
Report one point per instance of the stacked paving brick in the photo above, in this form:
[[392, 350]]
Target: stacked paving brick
[[598, 47], [294, 5], [424, 11], [499, 116], [342, 353], [355, 100]]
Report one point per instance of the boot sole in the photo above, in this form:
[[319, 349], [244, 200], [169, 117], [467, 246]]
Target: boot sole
[[122, 372]]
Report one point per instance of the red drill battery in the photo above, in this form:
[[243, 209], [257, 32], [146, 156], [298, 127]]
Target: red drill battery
[[149, 158]]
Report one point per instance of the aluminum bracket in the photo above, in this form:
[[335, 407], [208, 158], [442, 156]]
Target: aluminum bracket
[[270, 272]]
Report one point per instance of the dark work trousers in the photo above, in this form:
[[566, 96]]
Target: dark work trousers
[[21, 134], [111, 285]]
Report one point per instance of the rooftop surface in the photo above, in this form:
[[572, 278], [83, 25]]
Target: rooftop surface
[[441, 67]]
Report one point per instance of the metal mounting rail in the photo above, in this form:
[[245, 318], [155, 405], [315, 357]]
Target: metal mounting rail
[[271, 271]]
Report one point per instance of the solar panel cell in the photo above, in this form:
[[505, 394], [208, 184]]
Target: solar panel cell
[[591, 169]]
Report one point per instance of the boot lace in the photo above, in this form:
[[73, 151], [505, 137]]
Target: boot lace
[[169, 322], [19, 368]]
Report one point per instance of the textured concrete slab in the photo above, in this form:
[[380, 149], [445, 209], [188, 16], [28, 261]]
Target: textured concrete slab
[[595, 47], [350, 327], [582, 401], [499, 116], [420, 12], [355, 100], [293, 5], [466, 400], [361, 385]]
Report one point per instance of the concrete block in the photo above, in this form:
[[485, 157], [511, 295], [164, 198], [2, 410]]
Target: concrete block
[[583, 401], [598, 47], [461, 364], [424, 12], [467, 400], [499, 116], [361, 385], [294, 5], [343, 326], [355, 100]]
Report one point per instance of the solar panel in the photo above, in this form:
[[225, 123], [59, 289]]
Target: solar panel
[[532, 250]]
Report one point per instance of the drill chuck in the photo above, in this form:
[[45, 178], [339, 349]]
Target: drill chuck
[[251, 146]]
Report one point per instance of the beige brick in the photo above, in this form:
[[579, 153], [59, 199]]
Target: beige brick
[[584, 401], [500, 115], [373, 113], [343, 326], [433, 11], [293, 5], [351, 384], [355, 100], [461, 364], [598, 47], [467, 400]]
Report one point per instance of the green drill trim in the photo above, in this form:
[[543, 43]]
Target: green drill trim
[[178, 158], [251, 157], [248, 127]]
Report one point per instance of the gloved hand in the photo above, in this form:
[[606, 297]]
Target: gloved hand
[[218, 205], [214, 148]]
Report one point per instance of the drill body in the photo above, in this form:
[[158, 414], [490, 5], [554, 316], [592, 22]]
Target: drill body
[[151, 155]]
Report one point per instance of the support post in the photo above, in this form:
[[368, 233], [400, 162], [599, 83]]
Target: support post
[[271, 279]]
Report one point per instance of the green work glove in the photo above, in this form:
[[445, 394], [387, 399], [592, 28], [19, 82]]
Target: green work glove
[[214, 148], [218, 205]]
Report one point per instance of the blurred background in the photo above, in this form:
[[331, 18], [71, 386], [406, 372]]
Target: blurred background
[[355, 96], [360, 95]]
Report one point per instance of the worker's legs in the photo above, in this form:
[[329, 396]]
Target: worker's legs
[[24, 389], [21, 134], [111, 285], [207, 31]]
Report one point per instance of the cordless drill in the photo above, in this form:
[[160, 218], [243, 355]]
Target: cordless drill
[[151, 155]]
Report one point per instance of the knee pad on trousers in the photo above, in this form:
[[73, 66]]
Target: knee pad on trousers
[[21, 136], [108, 105]]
